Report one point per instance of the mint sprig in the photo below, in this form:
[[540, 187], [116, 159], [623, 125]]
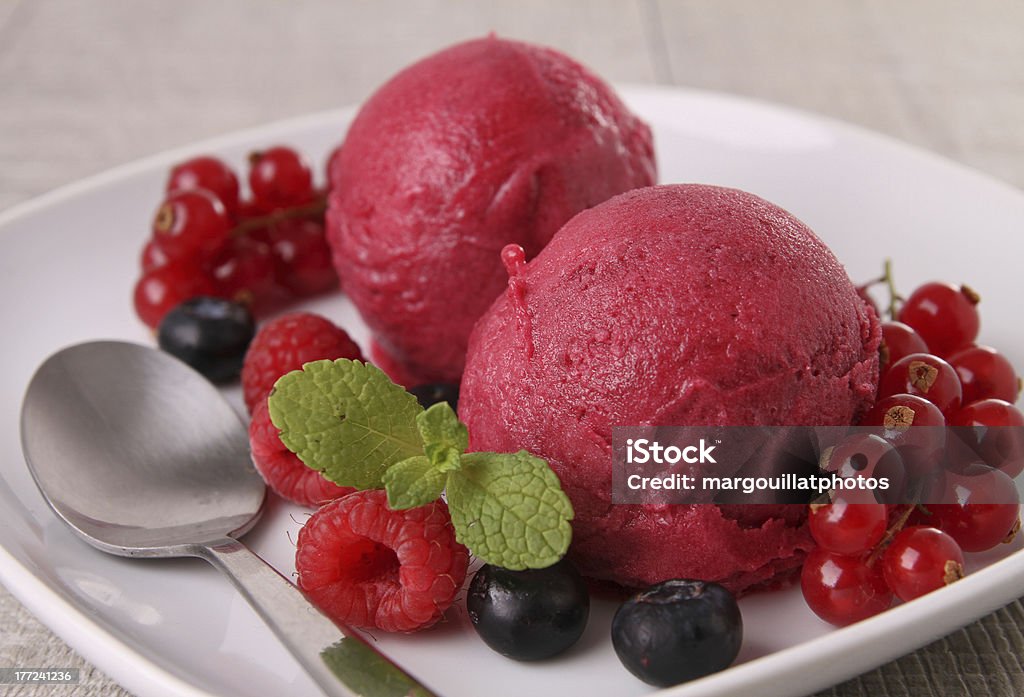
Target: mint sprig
[[510, 509], [445, 438], [347, 420], [414, 482]]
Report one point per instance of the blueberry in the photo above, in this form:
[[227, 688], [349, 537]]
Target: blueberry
[[431, 394], [529, 615], [210, 334], [676, 631]]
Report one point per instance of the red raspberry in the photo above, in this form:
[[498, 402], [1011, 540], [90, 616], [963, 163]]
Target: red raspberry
[[368, 566], [282, 470], [285, 344]]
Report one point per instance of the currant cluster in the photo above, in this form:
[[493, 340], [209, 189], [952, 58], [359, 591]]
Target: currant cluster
[[262, 251], [871, 550]]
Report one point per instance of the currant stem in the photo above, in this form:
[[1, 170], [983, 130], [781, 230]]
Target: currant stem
[[316, 207], [890, 533], [894, 297]]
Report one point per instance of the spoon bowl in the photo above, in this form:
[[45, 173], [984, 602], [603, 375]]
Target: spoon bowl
[[137, 452], [142, 457]]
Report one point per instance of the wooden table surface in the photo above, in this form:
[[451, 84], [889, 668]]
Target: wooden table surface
[[88, 85]]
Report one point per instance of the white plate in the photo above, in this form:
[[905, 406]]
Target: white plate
[[177, 628]]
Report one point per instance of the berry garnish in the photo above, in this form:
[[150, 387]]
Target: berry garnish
[[867, 455], [283, 472], [366, 565], [847, 528], [285, 344], [984, 509], [164, 287], [279, 178], [865, 295], [898, 340], [209, 334], [989, 412], [676, 631], [996, 433], [924, 375], [191, 224], [303, 257], [531, 614], [920, 560], [262, 252], [153, 256], [246, 272], [207, 173], [913, 424], [429, 395], [946, 316], [958, 480], [898, 412], [348, 420], [843, 589], [985, 374]]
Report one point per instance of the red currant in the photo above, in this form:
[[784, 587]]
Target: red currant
[[304, 258], [898, 340], [920, 560], [985, 374], [916, 427], [926, 376], [210, 174], [898, 412], [946, 316], [246, 273], [191, 224], [981, 508], [988, 412], [842, 589], [280, 178], [865, 295], [161, 289], [1000, 443], [153, 256], [867, 455], [248, 209], [847, 528]]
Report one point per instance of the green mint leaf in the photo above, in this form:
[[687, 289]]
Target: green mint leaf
[[346, 419], [510, 510], [413, 482], [444, 436], [367, 673]]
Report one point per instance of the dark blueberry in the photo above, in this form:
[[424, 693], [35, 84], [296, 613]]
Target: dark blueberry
[[210, 334], [431, 394], [677, 631], [529, 615]]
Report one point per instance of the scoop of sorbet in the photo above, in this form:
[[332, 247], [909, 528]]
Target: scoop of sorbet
[[485, 143], [670, 305]]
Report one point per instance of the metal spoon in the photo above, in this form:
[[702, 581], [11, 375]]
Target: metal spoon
[[142, 457]]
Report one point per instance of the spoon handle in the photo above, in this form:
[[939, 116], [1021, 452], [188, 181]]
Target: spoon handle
[[348, 667]]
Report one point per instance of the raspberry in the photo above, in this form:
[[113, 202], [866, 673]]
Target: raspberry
[[368, 566], [285, 344], [282, 470]]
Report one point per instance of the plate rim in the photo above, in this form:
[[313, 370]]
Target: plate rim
[[96, 643]]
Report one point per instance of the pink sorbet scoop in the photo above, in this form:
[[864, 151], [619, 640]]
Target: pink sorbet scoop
[[670, 305], [486, 143]]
